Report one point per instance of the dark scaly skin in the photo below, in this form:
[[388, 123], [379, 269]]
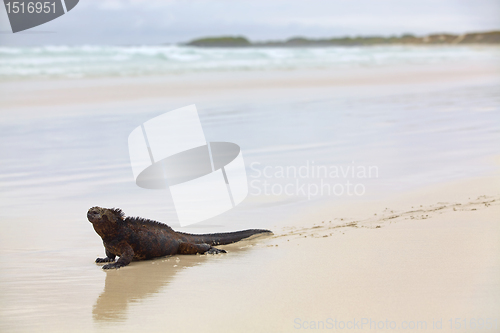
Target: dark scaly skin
[[132, 238]]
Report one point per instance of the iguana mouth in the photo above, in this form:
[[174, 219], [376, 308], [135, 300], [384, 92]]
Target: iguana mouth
[[93, 215]]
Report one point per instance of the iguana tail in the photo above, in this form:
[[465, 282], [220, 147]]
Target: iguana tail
[[227, 237]]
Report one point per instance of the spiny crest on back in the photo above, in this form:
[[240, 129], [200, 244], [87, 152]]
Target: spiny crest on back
[[118, 212], [143, 221]]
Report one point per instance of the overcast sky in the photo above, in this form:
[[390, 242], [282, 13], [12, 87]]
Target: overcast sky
[[125, 22]]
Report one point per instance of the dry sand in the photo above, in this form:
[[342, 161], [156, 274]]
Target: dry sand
[[435, 262], [420, 258]]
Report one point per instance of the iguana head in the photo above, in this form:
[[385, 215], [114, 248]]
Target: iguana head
[[105, 220], [98, 214]]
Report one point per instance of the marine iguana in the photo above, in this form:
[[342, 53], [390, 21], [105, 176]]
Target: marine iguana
[[134, 238]]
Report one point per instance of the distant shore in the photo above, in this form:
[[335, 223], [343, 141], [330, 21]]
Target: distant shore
[[491, 37]]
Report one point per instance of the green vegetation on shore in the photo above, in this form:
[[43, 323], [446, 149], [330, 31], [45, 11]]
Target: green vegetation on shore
[[226, 41], [492, 37]]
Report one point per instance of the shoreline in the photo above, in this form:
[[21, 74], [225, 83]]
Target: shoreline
[[206, 85], [446, 197]]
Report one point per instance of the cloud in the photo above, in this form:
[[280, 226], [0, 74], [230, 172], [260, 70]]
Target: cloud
[[161, 21]]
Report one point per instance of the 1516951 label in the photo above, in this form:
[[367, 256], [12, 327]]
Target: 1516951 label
[[26, 14]]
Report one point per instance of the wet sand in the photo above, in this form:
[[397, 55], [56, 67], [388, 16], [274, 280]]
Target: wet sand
[[209, 86]]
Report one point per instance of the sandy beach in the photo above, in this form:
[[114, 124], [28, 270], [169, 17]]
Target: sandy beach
[[419, 250], [398, 266]]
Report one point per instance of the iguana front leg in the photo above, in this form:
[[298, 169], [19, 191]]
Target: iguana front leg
[[190, 248], [126, 256], [109, 257]]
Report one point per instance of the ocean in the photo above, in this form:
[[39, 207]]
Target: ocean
[[124, 61]]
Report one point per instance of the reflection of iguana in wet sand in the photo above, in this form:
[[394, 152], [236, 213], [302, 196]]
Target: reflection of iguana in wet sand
[[138, 238]]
